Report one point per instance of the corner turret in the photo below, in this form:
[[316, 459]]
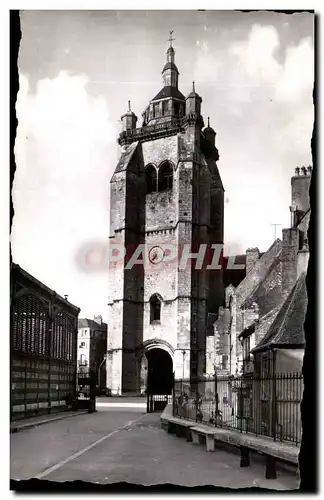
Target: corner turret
[[129, 119], [210, 134]]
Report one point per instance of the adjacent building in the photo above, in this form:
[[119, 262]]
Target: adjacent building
[[92, 347], [43, 346], [266, 311]]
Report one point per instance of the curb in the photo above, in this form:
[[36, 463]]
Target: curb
[[30, 425]]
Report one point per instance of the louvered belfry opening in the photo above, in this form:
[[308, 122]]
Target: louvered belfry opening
[[43, 348], [165, 176]]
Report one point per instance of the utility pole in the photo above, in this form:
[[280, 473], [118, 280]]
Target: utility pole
[[275, 229]]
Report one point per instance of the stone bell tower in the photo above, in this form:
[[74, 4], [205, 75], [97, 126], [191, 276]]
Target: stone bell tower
[[167, 199]]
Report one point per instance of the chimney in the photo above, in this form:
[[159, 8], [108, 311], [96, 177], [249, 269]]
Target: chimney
[[300, 184], [290, 242], [252, 256], [66, 297], [98, 319], [302, 261]]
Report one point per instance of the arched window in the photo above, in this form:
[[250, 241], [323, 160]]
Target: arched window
[[155, 309], [151, 179], [165, 176]]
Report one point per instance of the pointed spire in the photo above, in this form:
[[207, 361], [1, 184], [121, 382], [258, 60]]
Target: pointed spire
[[193, 87], [208, 119], [129, 106]]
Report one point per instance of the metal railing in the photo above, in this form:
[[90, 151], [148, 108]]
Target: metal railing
[[263, 406]]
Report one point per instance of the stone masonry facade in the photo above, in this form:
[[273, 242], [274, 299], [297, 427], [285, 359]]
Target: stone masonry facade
[[269, 280], [186, 211]]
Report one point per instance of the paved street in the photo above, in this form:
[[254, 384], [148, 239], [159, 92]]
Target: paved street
[[123, 444]]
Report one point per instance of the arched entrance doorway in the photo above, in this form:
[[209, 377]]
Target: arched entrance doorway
[[159, 371]]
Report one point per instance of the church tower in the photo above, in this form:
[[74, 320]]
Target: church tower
[[167, 199]]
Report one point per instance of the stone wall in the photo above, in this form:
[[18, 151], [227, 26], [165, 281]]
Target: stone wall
[[170, 218]]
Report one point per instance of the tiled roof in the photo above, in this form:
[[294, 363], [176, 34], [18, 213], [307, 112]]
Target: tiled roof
[[258, 273], [169, 92], [90, 323], [266, 299], [19, 271], [288, 326]]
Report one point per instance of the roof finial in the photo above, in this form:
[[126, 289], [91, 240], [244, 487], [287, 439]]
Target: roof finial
[[171, 39], [193, 86], [208, 121], [129, 106]]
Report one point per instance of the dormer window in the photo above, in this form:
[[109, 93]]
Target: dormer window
[[165, 176]]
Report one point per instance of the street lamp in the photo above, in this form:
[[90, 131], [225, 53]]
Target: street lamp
[[183, 358]]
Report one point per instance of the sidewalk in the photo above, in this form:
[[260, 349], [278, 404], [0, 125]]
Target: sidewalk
[[280, 450], [28, 423]]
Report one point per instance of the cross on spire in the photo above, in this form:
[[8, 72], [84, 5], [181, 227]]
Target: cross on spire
[[171, 39]]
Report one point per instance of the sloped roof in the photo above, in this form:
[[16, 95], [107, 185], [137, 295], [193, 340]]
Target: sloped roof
[[20, 272], [288, 326], [170, 65], [90, 323], [169, 92], [125, 158], [266, 299], [302, 217], [252, 280]]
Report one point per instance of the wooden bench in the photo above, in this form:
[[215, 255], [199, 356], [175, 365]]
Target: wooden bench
[[208, 433]]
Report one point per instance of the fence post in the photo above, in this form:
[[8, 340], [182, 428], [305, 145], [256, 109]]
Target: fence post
[[173, 394], [147, 400], [274, 398], [196, 404], [216, 399], [241, 404]]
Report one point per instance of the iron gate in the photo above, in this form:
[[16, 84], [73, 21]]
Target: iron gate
[[156, 401]]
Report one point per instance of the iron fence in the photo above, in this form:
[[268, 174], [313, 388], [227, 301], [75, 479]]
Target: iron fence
[[263, 406], [157, 402]]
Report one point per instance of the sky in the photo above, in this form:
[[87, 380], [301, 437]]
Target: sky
[[78, 69]]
